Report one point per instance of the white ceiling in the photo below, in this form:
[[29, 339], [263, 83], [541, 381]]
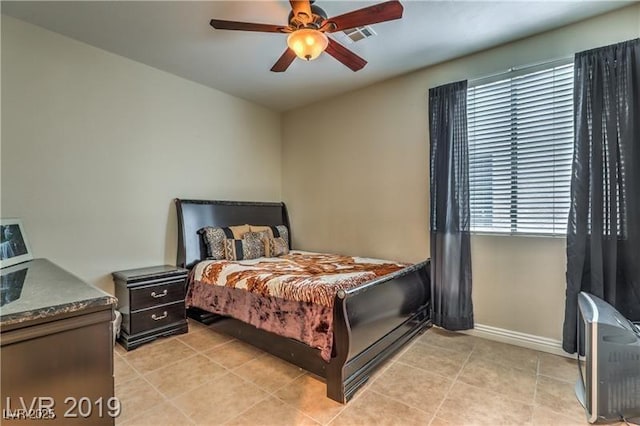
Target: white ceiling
[[175, 36]]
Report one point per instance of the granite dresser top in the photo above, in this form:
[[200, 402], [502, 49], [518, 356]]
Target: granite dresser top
[[39, 289]]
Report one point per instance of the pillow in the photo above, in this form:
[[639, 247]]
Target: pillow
[[214, 239], [260, 236], [251, 246], [273, 232], [278, 247]]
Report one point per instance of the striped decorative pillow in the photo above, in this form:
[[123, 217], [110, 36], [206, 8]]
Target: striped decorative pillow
[[214, 239], [277, 243], [251, 246], [278, 247]]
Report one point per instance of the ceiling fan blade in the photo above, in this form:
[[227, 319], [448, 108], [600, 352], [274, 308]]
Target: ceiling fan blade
[[285, 60], [301, 6], [345, 56], [387, 11], [246, 26]]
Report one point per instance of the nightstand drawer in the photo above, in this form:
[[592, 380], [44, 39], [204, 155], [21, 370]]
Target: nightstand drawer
[[158, 294], [157, 317]]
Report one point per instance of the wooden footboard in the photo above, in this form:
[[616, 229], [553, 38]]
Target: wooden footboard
[[372, 322]]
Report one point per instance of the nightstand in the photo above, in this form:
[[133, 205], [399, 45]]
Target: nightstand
[[152, 303]]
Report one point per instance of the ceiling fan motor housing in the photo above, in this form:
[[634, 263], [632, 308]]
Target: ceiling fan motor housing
[[302, 21]]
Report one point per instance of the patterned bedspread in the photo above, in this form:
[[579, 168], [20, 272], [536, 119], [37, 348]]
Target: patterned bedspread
[[291, 295], [298, 276]]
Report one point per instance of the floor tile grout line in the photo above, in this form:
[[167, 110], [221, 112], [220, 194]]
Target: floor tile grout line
[[165, 365], [252, 405], [125, 381], [509, 369], [153, 343], [146, 380], [519, 401], [203, 384], [344, 407], [227, 371], [162, 395], [383, 369], [535, 388], [230, 368], [405, 402], [390, 364], [172, 405], [453, 382], [271, 394], [423, 369], [268, 392], [304, 373], [202, 351], [571, 382], [502, 397], [170, 400], [431, 345], [508, 365], [209, 349], [294, 408], [135, 370], [401, 402], [198, 352], [198, 385], [171, 364]]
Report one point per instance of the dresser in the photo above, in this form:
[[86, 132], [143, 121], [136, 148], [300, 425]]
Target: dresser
[[56, 348], [152, 303]]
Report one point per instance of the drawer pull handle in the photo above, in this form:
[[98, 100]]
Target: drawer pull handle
[[157, 295], [157, 318]]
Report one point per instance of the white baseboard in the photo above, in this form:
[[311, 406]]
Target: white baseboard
[[530, 341]]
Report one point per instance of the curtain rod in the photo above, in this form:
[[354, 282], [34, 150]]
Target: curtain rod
[[513, 69]]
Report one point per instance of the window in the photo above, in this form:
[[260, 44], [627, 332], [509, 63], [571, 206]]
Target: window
[[520, 152]]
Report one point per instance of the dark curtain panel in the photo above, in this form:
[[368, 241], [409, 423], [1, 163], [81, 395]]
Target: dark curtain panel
[[603, 236], [450, 248]]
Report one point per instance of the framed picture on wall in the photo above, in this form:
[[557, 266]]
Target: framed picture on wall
[[14, 247]]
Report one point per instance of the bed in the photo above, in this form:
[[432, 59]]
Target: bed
[[369, 321]]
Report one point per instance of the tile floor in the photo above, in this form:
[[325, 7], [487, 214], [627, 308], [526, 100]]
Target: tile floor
[[440, 379]]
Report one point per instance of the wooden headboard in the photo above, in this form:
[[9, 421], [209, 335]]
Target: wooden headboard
[[194, 215]]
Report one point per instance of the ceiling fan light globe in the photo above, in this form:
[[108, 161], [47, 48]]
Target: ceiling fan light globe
[[307, 43]]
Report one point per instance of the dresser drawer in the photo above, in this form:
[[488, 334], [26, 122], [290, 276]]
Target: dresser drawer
[[157, 317], [157, 294]]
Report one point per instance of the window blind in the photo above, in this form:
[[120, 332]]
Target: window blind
[[520, 152]]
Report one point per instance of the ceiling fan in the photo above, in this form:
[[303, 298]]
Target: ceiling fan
[[308, 24]]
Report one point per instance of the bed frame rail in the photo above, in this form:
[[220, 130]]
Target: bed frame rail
[[371, 322]]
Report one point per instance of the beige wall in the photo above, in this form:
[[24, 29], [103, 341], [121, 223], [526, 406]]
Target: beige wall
[[95, 147], [355, 177]]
